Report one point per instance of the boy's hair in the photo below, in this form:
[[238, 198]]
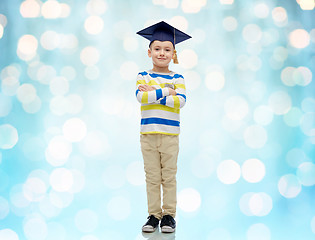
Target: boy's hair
[[161, 41]]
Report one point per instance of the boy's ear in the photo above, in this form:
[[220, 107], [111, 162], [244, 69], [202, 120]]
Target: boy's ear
[[149, 52]]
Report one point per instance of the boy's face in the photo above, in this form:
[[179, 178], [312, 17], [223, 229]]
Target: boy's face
[[161, 53]]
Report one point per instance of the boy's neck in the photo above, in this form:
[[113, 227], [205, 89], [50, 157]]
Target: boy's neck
[[160, 69]]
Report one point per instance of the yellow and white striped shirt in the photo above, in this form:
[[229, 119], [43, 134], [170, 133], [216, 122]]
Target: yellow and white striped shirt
[[160, 110]]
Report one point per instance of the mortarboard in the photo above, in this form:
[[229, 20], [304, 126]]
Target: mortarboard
[[164, 32]]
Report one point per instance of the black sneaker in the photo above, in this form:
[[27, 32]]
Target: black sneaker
[[168, 224], [151, 224]]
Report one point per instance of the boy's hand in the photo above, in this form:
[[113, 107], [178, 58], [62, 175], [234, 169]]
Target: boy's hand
[[172, 91], [145, 88]]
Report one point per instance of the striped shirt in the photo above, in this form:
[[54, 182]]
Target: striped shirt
[[160, 110]]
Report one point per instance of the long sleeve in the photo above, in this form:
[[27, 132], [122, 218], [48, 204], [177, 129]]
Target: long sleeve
[[150, 96], [179, 100]]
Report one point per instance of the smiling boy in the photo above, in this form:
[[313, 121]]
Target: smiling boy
[[161, 93]]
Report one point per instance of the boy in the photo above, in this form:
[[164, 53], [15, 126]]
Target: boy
[[161, 93]]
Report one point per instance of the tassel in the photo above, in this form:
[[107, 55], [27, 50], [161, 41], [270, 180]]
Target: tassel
[[175, 60]]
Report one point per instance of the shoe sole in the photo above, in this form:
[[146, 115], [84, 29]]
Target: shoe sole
[[166, 229], [148, 229]]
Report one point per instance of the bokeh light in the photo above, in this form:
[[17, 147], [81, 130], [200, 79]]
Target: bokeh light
[[70, 156]]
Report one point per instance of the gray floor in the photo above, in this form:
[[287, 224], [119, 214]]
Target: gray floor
[[157, 235]]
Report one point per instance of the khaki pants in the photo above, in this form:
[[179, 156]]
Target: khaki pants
[[160, 165]]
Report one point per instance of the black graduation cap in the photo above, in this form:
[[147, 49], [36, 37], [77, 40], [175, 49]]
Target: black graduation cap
[[163, 32]]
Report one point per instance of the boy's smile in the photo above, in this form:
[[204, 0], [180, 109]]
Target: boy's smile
[[161, 53]]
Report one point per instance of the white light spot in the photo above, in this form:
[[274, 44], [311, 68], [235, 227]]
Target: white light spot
[[50, 40], [9, 136], [3, 20], [299, 38], [255, 136], [253, 170], [75, 104], [8, 234], [215, 81], [34, 189], [189, 200], [89, 56], [30, 9], [280, 17], [260, 204], [51, 9], [59, 105], [68, 72], [226, 2], [229, 172], [59, 86], [59, 148], [61, 199], [95, 143], [258, 231], [26, 93], [135, 173], [230, 23], [236, 108], [27, 47], [187, 58], [295, 157], [94, 25], [306, 173], [74, 130], [10, 85], [252, 33], [306, 4], [78, 181], [263, 115], [287, 76], [171, 4], [193, 6], [279, 102], [261, 10], [65, 10], [61, 179], [33, 106], [35, 228], [302, 76], [96, 7], [179, 22], [289, 186], [86, 220], [45, 74], [1, 31], [119, 208]]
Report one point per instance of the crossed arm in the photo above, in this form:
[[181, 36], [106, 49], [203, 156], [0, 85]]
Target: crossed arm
[[146, 88]]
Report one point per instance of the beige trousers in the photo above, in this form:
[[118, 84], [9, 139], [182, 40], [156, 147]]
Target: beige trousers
[[160, 165]]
